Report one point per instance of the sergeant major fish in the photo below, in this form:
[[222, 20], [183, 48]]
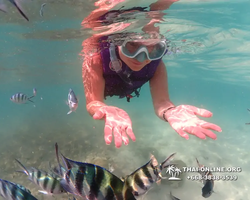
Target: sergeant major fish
[[92, 181], [72, 101], [142, 179], [13, 191], [207, 189], [49, 183], [21, 98]]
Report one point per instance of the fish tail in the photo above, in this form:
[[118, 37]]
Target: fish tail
[[20, 11], [31, 101], [23, 167], [166, 163], [31, 98]]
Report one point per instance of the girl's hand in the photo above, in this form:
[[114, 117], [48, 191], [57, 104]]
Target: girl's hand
[[117, 123], [183, 120]]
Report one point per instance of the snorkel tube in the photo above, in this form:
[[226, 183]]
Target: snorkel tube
[[117, 65]]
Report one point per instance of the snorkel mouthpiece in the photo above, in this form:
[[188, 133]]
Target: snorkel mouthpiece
[[141, 57]]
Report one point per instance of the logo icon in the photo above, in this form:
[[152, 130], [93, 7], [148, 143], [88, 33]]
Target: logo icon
[[174, 172]]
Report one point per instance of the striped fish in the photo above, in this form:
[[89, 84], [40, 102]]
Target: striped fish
[[207, 189], [93, 182], [142, 179], [48, 182], [20, 98], [13, 191]]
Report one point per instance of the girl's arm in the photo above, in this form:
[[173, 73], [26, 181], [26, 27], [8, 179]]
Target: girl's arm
[[159, 90], [93, 82]]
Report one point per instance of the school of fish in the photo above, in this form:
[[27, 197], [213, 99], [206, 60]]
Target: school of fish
[[88, 181]]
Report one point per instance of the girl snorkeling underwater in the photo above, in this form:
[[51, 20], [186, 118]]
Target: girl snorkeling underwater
[[123, 65]]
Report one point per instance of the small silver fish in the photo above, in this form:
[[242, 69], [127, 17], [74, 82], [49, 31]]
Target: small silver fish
[[34, 91], [13, 191], [72, 101], [20, 98], [15, 3], [173, 197], [49, 183], [41, 10]]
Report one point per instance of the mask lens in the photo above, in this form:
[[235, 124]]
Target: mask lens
[[157, 51]]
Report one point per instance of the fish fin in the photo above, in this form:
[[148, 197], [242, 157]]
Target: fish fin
[[20, 11], [166, 163], [43, 192], [69, 112], [67, 103], [67, 187], [153, 160], [66, 163], [23, 167]]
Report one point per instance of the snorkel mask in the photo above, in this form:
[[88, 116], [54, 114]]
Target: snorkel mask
[[141, 49], [138, 47]]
